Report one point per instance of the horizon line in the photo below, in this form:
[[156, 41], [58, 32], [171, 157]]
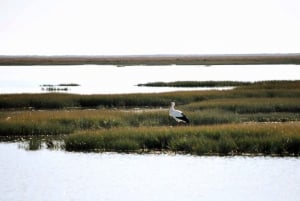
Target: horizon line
[[152, 59]]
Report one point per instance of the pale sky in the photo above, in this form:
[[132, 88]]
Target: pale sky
[[149, 26]]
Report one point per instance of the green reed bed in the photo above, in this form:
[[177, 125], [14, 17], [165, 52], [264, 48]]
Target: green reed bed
[[279, 139]]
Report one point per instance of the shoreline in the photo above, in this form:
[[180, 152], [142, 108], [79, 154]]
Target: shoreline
[[149, 60], [24, 144]]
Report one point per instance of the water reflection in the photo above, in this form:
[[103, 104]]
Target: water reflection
[[35, 143], [32, 143]]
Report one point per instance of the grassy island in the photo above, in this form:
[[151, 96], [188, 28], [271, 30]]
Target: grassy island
[[252, 118]]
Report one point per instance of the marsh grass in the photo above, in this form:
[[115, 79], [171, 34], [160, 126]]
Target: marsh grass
[[278, 139], [273, 89], [67, 121], [273, 84], [55, 122], [221, 122], [249, 105], [213, 116]]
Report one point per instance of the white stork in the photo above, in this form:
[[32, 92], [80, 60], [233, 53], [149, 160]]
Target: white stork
[[177, 114]]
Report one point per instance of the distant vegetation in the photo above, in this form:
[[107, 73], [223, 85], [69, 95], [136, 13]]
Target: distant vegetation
[[195, 84], [69, 85], [268, 89], [256, 118], [59, 87], [127, 60]]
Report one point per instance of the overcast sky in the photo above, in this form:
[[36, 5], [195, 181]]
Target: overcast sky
[[149, 26]]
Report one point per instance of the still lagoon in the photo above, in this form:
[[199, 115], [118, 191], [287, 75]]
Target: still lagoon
[[58, 175], [95, 79]]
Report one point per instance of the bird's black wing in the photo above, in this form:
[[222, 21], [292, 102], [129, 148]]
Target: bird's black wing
[[183, 118]]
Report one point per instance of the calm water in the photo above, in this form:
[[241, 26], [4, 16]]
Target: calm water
[[110, 79], [57, 175]]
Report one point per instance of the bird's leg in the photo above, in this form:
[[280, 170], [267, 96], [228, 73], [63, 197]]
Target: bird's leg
[[180, 123]]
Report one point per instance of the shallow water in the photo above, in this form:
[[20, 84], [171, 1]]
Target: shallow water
[[111, 79], [58, 175]]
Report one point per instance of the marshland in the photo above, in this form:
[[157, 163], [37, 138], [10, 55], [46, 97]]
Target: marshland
[[260, 118], [86, 86], [103, 139]]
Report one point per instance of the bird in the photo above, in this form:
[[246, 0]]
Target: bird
[[177, 114]]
